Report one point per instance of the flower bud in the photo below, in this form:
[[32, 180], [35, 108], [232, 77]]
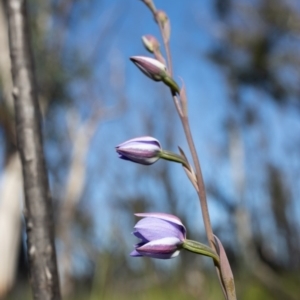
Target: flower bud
[[162, 19], [143, 150], [150, 43], [151, 67], [162, 235], [155, 70], [161, 16]]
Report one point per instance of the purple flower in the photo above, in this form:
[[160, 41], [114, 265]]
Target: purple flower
[[161, 235], [144, 150], [151, 67], [155, 70]]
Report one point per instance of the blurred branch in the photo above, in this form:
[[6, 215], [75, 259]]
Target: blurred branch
[[81, 136], [63, 10], [5, 67], [109, 19], [243, 225], [74, 187], [38, 205]]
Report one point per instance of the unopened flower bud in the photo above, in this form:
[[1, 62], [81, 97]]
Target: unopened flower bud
[[150, 43], [162, 235], [151, 67], [162, 19], [161, 16], [143, 150], [155, 70]]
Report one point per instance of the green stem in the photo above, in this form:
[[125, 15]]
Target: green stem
[[168, 155], [171, 83], [187, 130], [166, 43], [168, 50], [202, 249], [182, 112], [200, 183]]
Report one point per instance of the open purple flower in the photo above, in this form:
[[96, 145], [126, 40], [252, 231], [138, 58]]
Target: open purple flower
[[162, 235], [144, 150]]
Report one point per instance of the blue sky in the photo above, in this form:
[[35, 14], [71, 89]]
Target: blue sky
[[194, 30]]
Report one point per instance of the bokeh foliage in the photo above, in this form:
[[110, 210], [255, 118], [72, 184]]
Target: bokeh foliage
[[255, 48]]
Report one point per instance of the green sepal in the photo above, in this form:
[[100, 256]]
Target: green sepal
[[168, 155], [201, 249], [170, 82]]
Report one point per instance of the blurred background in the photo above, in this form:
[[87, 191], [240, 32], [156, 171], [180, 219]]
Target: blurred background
[[240, 63]]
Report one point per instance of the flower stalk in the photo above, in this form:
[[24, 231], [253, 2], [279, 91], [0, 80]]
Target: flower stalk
[[168, 155], [202, 249], [200, 182], [168, 246]]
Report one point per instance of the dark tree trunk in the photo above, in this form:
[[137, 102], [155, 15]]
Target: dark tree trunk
[[38, 205]]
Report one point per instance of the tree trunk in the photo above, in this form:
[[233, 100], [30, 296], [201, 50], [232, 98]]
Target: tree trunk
[[38, 205]]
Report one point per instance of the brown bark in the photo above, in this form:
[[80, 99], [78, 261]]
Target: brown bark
[[38, 205]]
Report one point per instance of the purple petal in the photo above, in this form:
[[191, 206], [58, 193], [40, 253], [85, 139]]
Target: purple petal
[[140, 236], [141, 139], [143, 161], [163, 216], [177, 224], [152, 229], [134, 253], [150, 67], [144, 150], [162, 248], [159, 255], [123, 157], [168, 243]]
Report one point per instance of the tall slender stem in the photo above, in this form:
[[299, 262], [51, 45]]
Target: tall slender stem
[[181, 107], [200, 182], [166, 42], [167, 48], [186, 126]]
